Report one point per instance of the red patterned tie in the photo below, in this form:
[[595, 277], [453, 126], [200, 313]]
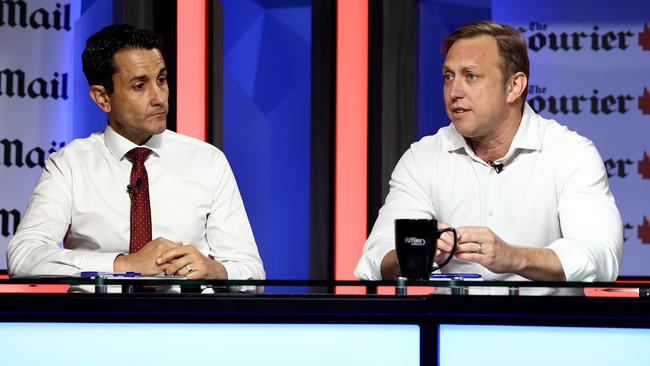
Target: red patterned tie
[[139, 193]]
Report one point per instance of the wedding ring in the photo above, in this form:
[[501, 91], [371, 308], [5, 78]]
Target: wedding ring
[[189, 269], [480, 248]]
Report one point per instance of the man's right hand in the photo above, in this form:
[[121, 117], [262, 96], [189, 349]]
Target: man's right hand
[[144, 260], [444, 244], [390, 265]]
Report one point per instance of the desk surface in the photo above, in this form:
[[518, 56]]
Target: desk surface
[[315, 301]]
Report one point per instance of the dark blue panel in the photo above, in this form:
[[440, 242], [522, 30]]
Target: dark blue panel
[[437, 19], [87, 117], [293, 18], [86, 4], [246, 144], [266, 125], [290, 196], [453, 14], [283, 61], [573, 11], [238, 16], [287, 4], [242, 59]]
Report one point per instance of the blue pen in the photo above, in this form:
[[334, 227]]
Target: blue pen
[[454, 276], [108, 274]]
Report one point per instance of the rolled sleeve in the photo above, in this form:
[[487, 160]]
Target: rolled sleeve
[[407, 198], [592, 244]]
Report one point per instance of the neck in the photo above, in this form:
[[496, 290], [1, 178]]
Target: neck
[[495, 146], [136, 138]]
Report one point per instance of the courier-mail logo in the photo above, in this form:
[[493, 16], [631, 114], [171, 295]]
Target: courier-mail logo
[[10, 220], [17, 13], [17, 83], [597, 102], [541, 36], [621, 167], [416, 242]]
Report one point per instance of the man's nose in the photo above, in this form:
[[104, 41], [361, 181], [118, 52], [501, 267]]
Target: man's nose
[[157, 95], [455, 89]]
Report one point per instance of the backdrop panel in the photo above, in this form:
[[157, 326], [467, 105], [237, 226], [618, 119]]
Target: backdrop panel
[[266, 124], [36, 96], [590, 70]]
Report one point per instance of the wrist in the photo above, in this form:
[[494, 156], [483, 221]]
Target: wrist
[[389, 266], [121, 264], [221, 272], [520, 260]]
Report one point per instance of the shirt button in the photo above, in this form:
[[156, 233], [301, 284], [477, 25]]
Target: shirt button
[[490, 213]]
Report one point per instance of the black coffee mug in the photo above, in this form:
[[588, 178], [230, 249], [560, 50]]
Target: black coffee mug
[[415, 244]]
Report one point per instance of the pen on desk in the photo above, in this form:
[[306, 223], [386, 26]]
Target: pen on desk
[[442, 276], [108, 274]]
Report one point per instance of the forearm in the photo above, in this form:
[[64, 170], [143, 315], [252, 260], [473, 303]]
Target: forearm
[[538, 264], [390, 266], [29, 257]]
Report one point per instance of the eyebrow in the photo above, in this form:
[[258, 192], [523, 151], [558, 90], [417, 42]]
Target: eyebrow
[[462, 69], [145, 77]]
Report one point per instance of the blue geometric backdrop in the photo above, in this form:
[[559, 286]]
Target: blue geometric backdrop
[[266, 124]]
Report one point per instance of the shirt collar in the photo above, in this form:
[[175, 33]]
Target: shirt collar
[[526, 138], [118, 145]]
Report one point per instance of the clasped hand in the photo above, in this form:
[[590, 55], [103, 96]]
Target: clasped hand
[[174, 259]]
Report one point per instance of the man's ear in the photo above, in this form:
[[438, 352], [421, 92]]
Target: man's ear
[[516, 86], [100, 96]]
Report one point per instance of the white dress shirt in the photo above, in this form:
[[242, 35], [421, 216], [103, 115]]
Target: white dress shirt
[[82, 200], [552, 193]]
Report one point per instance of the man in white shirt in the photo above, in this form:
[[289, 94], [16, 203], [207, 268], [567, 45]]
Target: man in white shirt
[[186, 216], [529, 198]]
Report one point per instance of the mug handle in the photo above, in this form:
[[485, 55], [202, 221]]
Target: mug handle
[[453, 248]]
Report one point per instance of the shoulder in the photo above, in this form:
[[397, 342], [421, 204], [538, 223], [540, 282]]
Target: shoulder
[[427, 154], [190, 146], [431, 144], [558, 138], [433, 149], [569, 152], [80, 148], [193, 156]]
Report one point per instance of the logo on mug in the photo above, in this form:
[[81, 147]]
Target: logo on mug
[[414, 241]]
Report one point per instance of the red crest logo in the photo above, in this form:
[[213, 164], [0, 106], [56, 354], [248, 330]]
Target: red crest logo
[[644, 102], [644, 231], [644, 166], [644, 38]]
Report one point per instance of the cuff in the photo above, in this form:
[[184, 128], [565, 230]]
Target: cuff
[[100, 262], [575, 262], [242, 271], [369, 266]]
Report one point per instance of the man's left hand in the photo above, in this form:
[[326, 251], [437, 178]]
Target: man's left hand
[[186, 260], [481, 245]]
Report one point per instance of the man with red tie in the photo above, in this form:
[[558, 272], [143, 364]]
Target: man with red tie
[[135, 197]]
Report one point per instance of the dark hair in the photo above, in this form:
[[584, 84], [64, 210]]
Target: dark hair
[[511, 45], [97, 58]]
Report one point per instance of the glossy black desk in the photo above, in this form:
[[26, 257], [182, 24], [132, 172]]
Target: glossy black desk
[[246, 302]]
